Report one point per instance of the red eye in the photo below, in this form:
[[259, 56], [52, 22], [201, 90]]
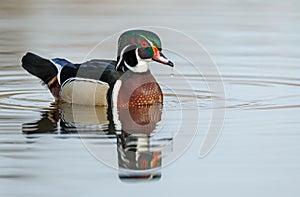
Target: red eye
[[144, 44]]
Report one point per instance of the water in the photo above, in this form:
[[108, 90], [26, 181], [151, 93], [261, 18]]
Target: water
[[256, 47]]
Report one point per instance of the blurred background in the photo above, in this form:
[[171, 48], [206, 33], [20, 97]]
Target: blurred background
[[256, 46]]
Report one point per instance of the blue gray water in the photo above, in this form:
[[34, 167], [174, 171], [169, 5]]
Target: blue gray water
[[256, 48]]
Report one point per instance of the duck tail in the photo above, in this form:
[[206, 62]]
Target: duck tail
[[39, 67]]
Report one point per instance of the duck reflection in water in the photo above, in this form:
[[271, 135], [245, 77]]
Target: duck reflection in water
[[133, 128]]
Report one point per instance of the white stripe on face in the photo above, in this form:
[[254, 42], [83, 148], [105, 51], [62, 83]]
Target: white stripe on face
[[121, 56], [142, 65], [149, 42]]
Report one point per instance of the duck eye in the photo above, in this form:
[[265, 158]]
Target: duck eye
[[144, 44], [145, 53]]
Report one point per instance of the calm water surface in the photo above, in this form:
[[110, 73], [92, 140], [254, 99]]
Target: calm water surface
[[256, 47]]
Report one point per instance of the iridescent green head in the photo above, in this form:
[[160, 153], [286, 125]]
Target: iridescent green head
[[140, 38], [138, 46]]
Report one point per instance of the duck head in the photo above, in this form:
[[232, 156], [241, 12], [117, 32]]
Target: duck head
[[136, 48]]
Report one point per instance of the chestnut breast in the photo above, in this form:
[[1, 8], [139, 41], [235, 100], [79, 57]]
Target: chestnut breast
[[139, 89]]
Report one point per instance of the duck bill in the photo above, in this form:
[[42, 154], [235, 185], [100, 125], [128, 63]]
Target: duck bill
[[159, 57]]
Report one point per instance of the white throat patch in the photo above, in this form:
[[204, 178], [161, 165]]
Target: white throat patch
[[142, 65]]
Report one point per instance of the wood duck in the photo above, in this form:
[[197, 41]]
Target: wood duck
[[125, 82]]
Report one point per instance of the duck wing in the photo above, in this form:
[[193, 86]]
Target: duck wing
[[89, 83], [102, 70]]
